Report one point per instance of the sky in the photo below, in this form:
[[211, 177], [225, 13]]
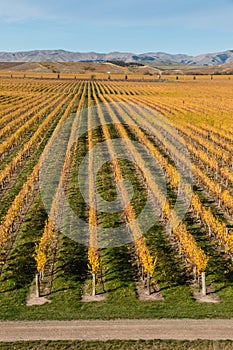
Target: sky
[[174, 26]]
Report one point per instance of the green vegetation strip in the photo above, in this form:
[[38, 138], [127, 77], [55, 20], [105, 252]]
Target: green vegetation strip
[[120, 345]]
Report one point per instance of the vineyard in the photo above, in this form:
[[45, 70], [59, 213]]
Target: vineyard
[[116, 198]]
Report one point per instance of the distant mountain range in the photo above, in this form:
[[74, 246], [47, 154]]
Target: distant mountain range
[[154, 58]]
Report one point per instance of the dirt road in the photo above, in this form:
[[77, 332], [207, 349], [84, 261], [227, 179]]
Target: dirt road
[[184, 329]]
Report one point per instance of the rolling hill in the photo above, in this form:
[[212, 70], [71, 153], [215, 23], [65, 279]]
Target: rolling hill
[[157, 58]]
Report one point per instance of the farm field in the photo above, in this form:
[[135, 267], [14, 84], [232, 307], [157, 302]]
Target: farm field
[[113, 73], [113, 70], [166, 164]]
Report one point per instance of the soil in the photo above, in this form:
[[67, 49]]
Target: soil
[[34, 300], [143, 295], [87, 297]]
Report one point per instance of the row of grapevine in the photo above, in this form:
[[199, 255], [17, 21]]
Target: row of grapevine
[[25, 150], [195, 257], [49, 240], [24, 116], [223, 195], [12, 219], [146, 261], [93, 251]]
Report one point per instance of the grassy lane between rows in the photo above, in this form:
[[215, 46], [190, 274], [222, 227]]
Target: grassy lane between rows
[[120, 345]]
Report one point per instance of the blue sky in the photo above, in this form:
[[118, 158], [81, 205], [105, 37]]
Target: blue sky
[[174, 26]]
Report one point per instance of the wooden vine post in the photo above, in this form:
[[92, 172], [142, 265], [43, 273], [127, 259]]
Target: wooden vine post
[[148, 282], [93, 284], [203, 283], [37, 284]]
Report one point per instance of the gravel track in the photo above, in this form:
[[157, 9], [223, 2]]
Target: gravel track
[[178, 329]]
